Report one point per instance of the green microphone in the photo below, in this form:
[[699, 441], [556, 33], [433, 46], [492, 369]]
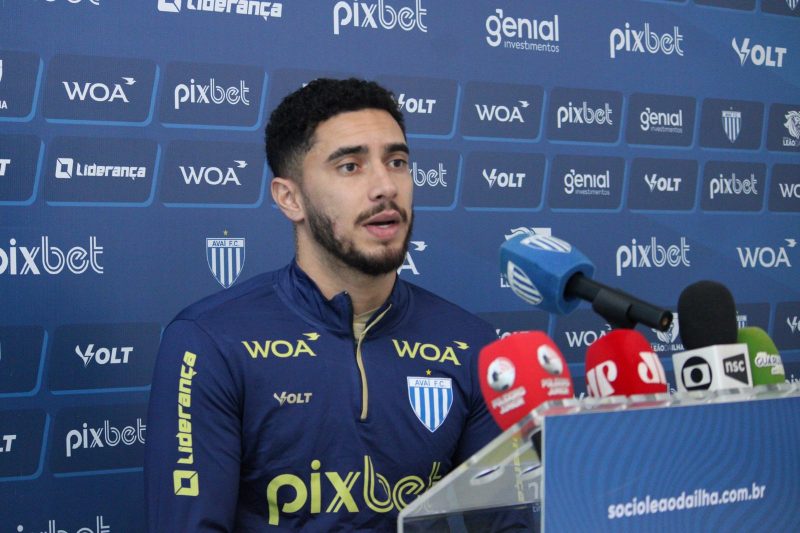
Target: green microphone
[[765, 361]]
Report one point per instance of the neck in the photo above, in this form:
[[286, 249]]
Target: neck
[[333, 277]]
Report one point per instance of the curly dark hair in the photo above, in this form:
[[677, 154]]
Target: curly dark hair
[[291, 126]]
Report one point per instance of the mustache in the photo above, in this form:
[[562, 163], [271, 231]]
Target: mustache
[[385, 206]]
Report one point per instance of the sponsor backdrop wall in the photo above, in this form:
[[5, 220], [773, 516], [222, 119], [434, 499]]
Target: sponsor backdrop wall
[[659, 137]]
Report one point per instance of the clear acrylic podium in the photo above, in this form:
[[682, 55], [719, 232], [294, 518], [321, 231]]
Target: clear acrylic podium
[[508, 475]]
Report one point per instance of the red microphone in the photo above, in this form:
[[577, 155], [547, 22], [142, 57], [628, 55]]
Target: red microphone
[[521, 372], [622, 362]]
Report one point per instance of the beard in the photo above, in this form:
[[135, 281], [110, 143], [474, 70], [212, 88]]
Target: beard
[[383, 262]]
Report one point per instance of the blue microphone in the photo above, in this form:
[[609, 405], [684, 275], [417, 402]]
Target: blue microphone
[[554, 276]]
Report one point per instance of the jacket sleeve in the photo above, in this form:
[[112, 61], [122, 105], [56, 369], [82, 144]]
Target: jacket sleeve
[[193, 443], [480, 428]]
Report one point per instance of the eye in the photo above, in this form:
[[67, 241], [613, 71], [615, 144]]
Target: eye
[[348, 168], [398, 163]]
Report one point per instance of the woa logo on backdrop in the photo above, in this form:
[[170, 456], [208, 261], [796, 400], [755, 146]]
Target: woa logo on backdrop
[[99, 90], [212, 96], [660, 119], [495, 180], [222, 174], [733, 186], [784, 192], [731, 124], [662, 184], [584, 115], [768, 256], [428, 104], [19, 168], [19, 81], [501, 110], [586, 182], [100, 171]]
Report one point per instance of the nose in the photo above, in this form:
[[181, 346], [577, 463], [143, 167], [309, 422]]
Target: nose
[[383, 185]]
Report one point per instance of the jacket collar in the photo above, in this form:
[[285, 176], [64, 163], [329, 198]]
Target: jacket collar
[[300, 293]]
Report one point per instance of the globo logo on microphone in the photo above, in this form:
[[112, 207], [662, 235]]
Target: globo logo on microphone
[[519, 373]]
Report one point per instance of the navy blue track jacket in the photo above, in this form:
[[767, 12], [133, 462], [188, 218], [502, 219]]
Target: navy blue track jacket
[[267, 415]]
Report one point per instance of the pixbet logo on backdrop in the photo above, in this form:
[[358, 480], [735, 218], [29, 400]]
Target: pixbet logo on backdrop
[[435, 177], [210, 93], [733, 185], [100, 527], [766, 256], [33, 260], [363, 15], [264, 10], [584, 114], [104, 436], [758, 54], [522, 33], [652, 255], [644, 40]]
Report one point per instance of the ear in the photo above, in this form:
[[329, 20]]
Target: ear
[[288, 198]]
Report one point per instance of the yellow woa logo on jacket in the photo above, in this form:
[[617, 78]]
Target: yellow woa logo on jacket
[[309, 492], [429, 352], [281, 348]]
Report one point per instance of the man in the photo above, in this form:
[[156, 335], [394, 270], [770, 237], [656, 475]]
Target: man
[[329, 394]]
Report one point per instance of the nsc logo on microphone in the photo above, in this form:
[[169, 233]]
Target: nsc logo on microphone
[[718, 367]]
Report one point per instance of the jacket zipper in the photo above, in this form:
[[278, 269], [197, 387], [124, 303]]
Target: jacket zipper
[[360, 363]]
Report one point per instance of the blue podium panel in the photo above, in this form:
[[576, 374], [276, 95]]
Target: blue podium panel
[[717, 467]]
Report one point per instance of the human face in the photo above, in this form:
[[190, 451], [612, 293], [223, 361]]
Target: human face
[[357, 192]]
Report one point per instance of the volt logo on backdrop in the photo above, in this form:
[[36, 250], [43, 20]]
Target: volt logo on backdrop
[[428, 104], [503, 180], [19, 157], [21, 441], [662, 184], [92, 357], [371, 15], [758, 54]]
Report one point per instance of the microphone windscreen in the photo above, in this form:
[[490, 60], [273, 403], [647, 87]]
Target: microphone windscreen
[[707, 315], [538, 267], [622, 362], [765, 361], [520, 372]]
